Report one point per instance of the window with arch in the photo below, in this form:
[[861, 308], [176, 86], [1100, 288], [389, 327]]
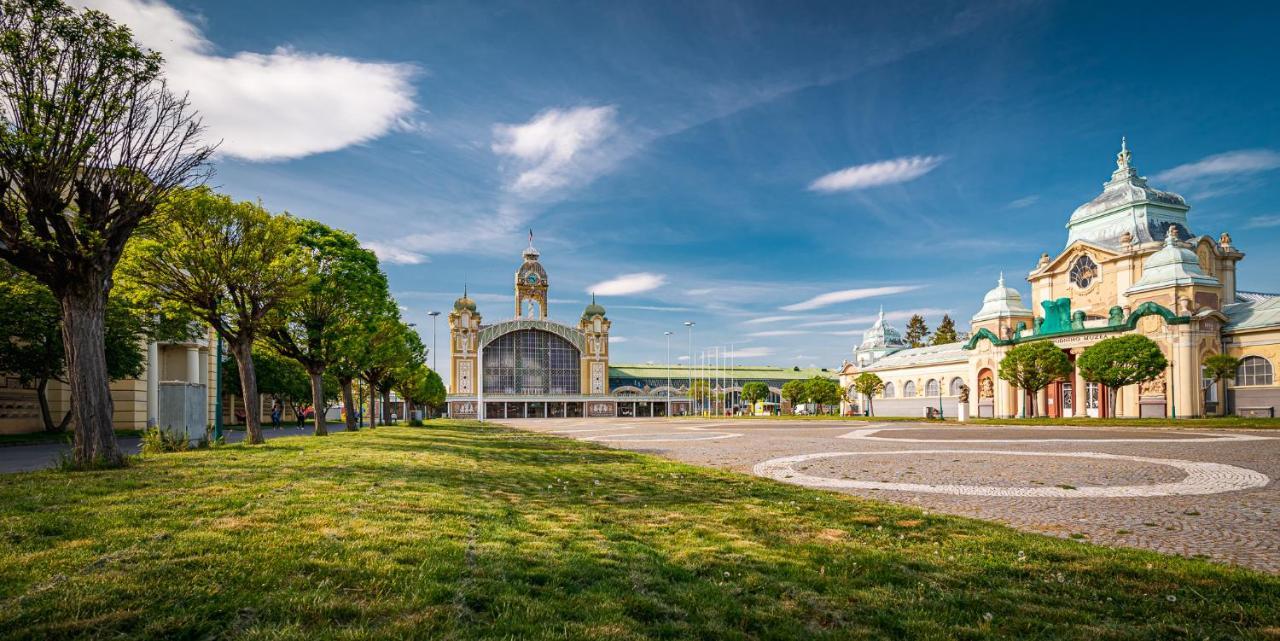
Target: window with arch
[[531, 361], [1084, 271], [888, 390], [909, 389], [956, 384], [1254, 370], [932, 388]]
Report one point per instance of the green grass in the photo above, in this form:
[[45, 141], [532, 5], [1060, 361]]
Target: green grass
[[460, 531]]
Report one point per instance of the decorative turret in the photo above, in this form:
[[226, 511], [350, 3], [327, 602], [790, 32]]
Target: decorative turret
[[464, 332], [531, 285], [465, 303], [595, 360], [877, 342], [1002, 309], [1127, 205], [1174, 265], [593, 309]]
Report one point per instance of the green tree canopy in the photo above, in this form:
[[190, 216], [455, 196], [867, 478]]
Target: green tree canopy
[[1032, 366], [1121, 360], [91, 141], [31, 344], [223, 262], [822, 391], [794, 391], [917, 331], [946, 332], [754, 392], [869, 385]]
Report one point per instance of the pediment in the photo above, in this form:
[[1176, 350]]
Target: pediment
[[1076, 248]]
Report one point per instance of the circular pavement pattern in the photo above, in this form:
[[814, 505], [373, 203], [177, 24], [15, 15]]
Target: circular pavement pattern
[[1196, 437], [1201, 478], [660, 437]]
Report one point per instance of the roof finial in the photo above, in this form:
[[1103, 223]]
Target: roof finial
[[531, 237], [1124, 143], [1122, 158], [1000, 282], [593, 298]]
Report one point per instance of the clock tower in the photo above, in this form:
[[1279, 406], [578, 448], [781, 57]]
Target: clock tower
[[531, 285]]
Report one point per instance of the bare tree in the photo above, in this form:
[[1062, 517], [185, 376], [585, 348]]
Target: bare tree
[[91, 140]]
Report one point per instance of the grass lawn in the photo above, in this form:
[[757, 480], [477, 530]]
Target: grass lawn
[[461, 531], [1082, 421]]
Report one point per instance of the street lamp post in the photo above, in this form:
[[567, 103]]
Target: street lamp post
[[668, 335], [689, 365], [434, 357]]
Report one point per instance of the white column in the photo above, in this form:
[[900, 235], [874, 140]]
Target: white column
[[193, 365], [153, 384], [478, 377]]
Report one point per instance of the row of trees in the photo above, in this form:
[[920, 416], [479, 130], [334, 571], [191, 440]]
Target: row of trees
[[100, 167], [917, 334], [1113, 363], [817, 390]]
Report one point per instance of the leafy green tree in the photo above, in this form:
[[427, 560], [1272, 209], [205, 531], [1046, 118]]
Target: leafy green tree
[[822, 391], [337, 274], [283, 379], [946, 332], [422, 386], [1120, 361], [754, 392], [1032, 366], [868, 384], [31, 344], [91, 141], [794, 391], [917, 331], [1218, 368], [387, 349], [226, 263]]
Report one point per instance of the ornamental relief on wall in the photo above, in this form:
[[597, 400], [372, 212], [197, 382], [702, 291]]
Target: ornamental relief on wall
[[1153, 387]]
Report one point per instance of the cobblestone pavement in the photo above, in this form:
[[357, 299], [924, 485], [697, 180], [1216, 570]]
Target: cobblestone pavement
[[1203, 493]]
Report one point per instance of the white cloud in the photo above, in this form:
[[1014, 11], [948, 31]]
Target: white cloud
[[869, 319], [749, 352], [395, 255], [551, 148], [617, 339], [846, 295], [1262, 222], [683, 358], [1224, 165], [1025, 201], [777, 332], [271, 106], [628, 284], [771, 319], [885, 172]]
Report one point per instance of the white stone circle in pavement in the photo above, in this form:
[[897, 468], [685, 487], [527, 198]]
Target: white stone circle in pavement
[[1199, 437], [678, 437], [594, 429], [1202, 478]]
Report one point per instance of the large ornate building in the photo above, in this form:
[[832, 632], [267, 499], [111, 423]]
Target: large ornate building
[[1131, 265]]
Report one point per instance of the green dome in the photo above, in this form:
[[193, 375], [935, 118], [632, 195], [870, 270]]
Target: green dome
[[593, 309], [464, 303]]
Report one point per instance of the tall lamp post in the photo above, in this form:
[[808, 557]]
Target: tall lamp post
[[668, 335], [689, 365], [434, 357]]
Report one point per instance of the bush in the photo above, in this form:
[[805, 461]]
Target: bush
[[158, 441], [415, 422]]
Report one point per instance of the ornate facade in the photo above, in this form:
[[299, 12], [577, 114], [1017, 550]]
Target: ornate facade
[[1130, 265]]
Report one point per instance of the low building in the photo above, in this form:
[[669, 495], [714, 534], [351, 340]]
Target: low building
[[1130, 266]]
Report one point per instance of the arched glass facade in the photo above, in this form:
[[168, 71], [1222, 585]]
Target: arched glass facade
[[531, 361]]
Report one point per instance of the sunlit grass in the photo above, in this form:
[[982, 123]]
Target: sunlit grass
[[460, 531]]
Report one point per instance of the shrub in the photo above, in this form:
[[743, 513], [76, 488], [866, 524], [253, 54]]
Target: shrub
[[415, 422], [158, 441]]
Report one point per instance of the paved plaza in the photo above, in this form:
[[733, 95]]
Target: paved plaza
[[1175, 490]]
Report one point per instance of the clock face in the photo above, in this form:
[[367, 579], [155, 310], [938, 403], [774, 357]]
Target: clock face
[[532, 279], [1083, 272]]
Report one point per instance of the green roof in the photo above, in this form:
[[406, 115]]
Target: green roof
[[741, 372]]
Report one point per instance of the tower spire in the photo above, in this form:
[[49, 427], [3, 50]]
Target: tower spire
[[1001, 281]]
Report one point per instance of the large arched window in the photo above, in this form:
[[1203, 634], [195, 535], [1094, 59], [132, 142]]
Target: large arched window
[[909, 389], [888, 390], [931, 388], [1254, 370], [531, 361], [956, 384]]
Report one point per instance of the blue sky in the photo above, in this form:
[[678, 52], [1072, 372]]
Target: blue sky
[[775, 171]]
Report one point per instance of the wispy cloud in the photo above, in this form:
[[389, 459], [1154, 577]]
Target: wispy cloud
[[1262, 222], [271, 106], [1231, 163], [1025, 201], [868, 319], [885, 172], [771, 319], [395, 255], [618, 339], [628, 284], [846, 295], [554, 146], [653, 308], [750, 352], [777, 332]]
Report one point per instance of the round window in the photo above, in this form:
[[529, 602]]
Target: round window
[[1083, 272]]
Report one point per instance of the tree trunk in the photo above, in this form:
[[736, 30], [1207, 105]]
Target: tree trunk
[[83, 318], [317, 403], [1111, 402], [348, 403], [373, 406], [871, 406], [242, 350], [42, 395], [386, 406]]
